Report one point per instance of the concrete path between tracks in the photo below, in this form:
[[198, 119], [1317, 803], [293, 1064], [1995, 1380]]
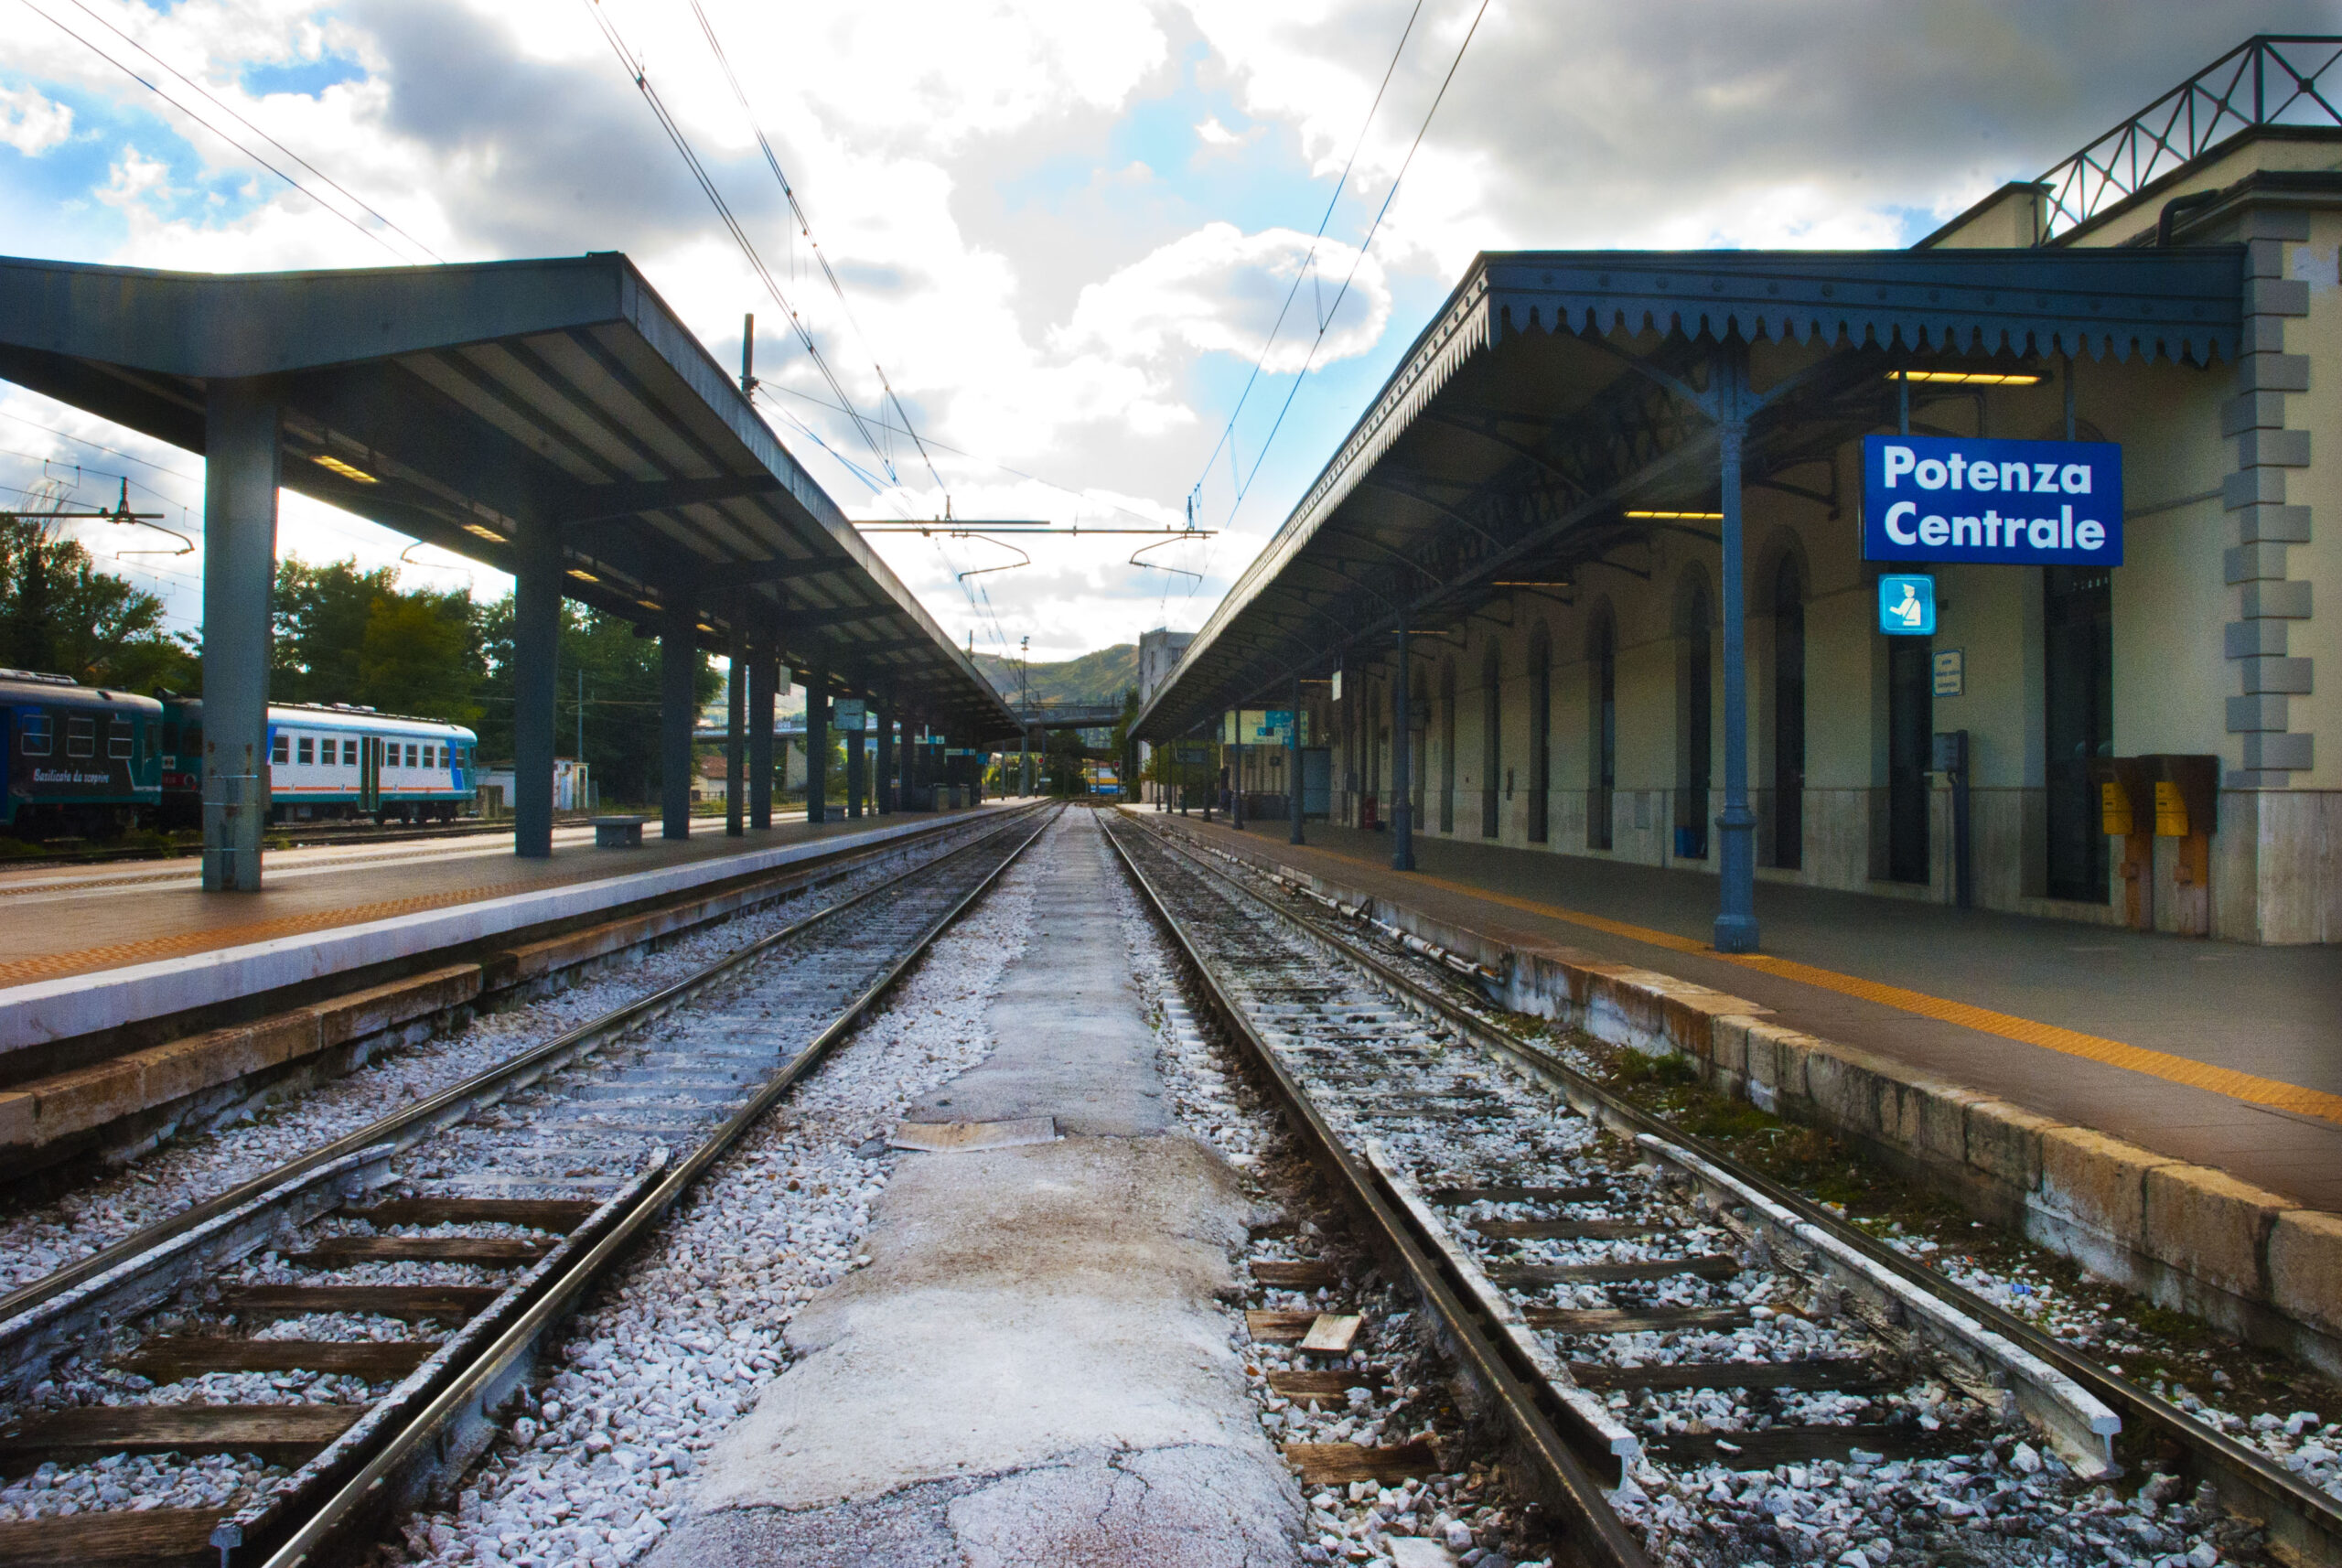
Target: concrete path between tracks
[[1033, 1368]]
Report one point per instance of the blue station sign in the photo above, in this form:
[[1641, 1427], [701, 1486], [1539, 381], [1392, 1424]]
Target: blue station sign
[[2006, 503]]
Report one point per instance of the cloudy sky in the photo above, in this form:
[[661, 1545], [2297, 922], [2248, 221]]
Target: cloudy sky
[[1068, 231]]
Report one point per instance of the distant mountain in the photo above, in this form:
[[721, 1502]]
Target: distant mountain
[[1099, 677]]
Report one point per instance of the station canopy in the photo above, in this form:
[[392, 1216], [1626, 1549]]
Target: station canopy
[[457, 404], [1557, 392]]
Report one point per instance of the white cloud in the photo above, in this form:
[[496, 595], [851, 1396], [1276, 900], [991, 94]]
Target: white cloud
[[1038, 291], [32, 123], [1219, 290]]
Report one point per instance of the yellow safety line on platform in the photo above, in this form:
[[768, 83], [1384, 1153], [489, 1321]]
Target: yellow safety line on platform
[[2244, 1086]]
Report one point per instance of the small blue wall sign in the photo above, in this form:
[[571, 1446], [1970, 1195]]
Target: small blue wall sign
[[1906, 604], [2010, 503]]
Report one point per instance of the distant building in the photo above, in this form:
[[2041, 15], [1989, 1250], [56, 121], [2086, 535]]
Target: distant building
[[1159, 652], [572, 789]]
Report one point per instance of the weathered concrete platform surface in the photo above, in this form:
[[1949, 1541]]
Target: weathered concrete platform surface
[[1032, 1369]]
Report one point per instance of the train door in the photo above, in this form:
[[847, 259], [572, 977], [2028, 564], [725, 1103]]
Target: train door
[[369, 774]]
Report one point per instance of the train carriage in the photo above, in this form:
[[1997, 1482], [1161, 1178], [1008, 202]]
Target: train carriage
[[336, 761], [81, 760]]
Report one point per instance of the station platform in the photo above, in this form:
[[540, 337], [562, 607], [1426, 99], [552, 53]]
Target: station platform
[[2214, 1053], [84, 949]]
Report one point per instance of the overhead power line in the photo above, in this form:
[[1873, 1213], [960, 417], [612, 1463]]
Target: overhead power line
[[1261, 459], [1227, 433], [640, 75], [198, 117], [805, 227]]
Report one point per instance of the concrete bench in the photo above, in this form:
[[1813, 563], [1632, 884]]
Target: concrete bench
[[619, 832]]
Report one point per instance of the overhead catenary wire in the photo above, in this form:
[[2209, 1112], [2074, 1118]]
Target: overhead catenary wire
[[1259, 459], [1307, 269], [228, 109], [805, 228], [639, 73], [198, 117]]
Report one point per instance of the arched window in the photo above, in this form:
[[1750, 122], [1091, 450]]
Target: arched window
[[1541, 720], [1491, 741], [1789, 714], [1602, 728]]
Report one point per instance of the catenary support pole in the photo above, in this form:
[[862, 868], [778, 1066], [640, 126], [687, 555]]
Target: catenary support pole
[[764, 671], [536, 633], [735, 724], [885, 794], [678, 675], [244, 457], [1296, 787], [817, 741], [1736, 928], [1236, 776], [1403, 816]]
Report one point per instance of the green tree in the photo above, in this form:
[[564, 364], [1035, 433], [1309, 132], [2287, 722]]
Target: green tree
[[320, 630], [346, 636], [620, 692], [60, 613], [421, 653]]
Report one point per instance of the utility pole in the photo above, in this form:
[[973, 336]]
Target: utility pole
[[1023, 705], [580, 731]]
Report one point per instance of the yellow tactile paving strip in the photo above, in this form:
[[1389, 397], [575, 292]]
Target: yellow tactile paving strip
[[2244, 1086]]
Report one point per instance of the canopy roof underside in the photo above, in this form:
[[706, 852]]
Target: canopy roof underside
[[1543, 401], [458, 404]]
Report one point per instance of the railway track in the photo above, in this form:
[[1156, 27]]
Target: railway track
[[1685, 1362], [402, 1284]]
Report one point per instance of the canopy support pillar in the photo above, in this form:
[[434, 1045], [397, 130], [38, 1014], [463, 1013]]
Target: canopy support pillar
[[244, 459]]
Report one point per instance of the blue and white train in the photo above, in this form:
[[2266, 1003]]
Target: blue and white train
[[336, 761]]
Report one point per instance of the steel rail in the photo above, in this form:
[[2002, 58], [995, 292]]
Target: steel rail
[[1595, 1531], [405, 1465], [426, 1117], [2304, 1524]]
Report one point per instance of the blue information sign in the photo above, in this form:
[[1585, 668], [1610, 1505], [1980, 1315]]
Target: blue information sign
[[2021, 503], [1907, 604]]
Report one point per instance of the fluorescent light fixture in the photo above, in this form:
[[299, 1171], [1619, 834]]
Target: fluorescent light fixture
[[650, 604], [476, 531], [336, 465], [583, 576], [1971, 378], [707, 628], [1677, 516], [1515, 584]]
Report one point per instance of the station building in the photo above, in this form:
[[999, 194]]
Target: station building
[[1530, 521]]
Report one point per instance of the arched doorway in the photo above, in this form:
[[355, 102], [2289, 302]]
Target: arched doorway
[[1697, 776], [1540, 721], [1602, 730], [1447, 745], [1789, 714], [1491, 742]]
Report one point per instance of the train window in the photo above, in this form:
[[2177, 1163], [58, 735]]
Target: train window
[[349, 754], [118, 737], [280, 749], [308, 749], [80, 737], [410, 749], [431, 757], [35, 732]]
